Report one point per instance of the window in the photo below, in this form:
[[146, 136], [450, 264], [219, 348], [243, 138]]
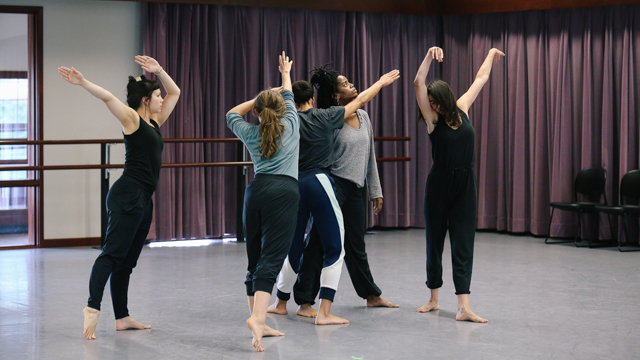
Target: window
[[20, 119], [14, 98]]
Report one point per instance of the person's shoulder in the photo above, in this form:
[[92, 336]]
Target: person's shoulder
[[315, 114], [363, 115], [287, 94], [233, 116], [463, 113]]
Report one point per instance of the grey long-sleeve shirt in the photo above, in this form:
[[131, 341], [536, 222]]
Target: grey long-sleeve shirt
[[355, 156]]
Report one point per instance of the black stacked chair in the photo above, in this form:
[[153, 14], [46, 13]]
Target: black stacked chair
[[588, 183], [629, 189]]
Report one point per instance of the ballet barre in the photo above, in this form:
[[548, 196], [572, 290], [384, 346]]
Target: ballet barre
[[105, 166]]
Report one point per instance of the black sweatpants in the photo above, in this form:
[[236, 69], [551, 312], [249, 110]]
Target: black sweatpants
[[353, 203], [130, 213], [270, 214], [450, 204]]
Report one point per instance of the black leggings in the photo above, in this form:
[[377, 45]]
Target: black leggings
[[353, 203], [450, 204], [270, 214], [130, 213]]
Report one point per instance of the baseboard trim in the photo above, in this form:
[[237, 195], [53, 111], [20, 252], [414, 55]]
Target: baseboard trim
[[51, 243]]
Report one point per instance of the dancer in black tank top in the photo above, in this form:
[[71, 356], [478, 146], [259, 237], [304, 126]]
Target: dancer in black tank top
[[450, 195], [129, 202]]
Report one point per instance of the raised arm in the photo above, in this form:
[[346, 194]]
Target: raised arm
[[422, 95], [285, 69], [365, 96], [150, 64], [126, 115], [466, 100], [243, 108]]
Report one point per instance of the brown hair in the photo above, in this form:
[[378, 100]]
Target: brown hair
[[270, 107], [443, 96]]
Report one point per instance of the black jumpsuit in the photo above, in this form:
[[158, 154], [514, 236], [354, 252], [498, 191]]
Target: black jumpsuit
[[450, 203], [130, 210]]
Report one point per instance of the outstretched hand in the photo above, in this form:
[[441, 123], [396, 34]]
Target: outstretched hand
[[390, 77], [278, 89], [71, 75], [148, 63], [285, 64], [497, 54], [436, 53]]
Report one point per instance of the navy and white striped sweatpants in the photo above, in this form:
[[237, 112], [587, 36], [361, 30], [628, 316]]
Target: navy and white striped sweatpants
[[318, 200]]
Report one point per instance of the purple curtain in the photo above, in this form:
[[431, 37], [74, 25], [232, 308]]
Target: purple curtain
[[563, 100], [223, 55]]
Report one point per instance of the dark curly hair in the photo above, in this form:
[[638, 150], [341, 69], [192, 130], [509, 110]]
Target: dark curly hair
[[325, 80]]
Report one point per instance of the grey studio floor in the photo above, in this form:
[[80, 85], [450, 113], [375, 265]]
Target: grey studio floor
[[542, 302]]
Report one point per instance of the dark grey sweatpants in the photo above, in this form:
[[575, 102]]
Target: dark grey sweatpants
[[270, 214]]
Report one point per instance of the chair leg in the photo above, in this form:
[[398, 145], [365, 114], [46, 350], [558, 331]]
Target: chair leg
[[611, 228], [546, 241], [602, 243], [626, 233], [579, 233]]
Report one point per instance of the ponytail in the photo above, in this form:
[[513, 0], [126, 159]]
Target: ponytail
[[270, 107]]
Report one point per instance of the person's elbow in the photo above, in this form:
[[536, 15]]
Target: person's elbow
[[108, 98], [360, 100]]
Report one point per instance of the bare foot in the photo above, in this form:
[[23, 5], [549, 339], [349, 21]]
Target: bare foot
[[465, 314], [377, 301], [279, 307], [330, 319], [431, 305], [257, 328], [307, 311], [128, 323], [271, 332], [90, 321]]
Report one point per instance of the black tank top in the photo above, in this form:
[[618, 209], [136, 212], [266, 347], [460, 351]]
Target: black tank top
[[453, 149], [143, 155]]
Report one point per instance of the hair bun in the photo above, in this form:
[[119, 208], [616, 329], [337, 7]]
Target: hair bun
[[321, 74], [132, 79]]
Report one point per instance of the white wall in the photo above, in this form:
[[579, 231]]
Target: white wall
[[99, 38], [14, 55]]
